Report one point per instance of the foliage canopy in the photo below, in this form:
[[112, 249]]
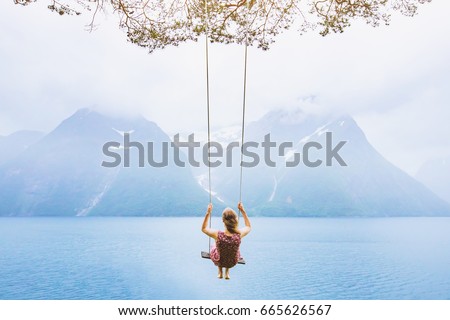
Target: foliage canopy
[[155, 24]]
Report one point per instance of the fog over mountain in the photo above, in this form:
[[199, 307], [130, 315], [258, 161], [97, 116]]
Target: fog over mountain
[[61, 173]]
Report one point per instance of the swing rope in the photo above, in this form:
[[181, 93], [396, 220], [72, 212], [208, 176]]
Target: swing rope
[[244, 102], [208, 111]]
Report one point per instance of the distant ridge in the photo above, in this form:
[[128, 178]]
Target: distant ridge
[[435, 174], [17, 142]]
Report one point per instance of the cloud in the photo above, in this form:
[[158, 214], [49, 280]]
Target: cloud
[[394, 79]]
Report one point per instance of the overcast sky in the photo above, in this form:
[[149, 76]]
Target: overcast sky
[[395, 81]]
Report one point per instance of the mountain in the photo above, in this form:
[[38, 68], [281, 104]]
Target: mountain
[[258, 181], [435, 174], [62, 174], [66, 172], [368, 186], [16, 143]]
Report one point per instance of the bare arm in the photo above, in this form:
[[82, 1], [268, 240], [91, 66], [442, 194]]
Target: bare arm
[[208, 231], [248, 227]]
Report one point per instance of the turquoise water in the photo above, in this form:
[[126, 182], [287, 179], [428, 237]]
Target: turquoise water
[[159, 258]]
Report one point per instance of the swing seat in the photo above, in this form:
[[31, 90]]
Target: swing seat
[[205, 255]]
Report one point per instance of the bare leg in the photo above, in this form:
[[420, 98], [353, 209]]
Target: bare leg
[[220, 275], [227, 273]]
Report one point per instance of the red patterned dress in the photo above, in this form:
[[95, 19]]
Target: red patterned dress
[[226, 252]]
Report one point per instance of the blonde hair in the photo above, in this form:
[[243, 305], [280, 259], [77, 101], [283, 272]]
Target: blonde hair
[[230, 219]]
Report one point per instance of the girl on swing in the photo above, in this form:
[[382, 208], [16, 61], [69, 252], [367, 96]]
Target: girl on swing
[[225, 254]]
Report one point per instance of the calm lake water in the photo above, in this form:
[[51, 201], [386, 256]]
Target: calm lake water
[[159, 258]]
